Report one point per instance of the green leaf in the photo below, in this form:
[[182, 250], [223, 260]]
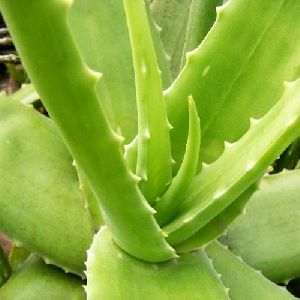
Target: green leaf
[[112, 274], [71, 100], [154, 149], [230, 76], [169, 203], [97, 25], [42, 208], [172, 17], [217, 225], [211, 192], [267, 236], [243, 282], [35, 280]]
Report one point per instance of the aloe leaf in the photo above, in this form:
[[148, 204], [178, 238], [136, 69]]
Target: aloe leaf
[[168, 205], [218, 225], [172, 17], [112, 274], [36, 175], [267, 236], [5, 270], [230, 70], [211, 192], [70, 98], [154, 149], [97, 25], [201, 18], [243, 282], [36, 280]]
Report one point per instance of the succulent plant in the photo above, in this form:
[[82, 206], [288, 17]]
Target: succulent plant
[[164, 119]]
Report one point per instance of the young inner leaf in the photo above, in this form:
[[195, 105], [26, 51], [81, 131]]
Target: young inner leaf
[[168, 205], [154, 164]]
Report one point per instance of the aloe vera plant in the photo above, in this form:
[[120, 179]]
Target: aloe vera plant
[[164, 118]]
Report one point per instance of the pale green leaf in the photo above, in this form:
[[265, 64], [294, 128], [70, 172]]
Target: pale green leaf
[[37, 281], [243, 282], [267, 236], [112, 274]]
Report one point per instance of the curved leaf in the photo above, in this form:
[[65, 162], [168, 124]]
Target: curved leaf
[[96, 26], [236, 73], [217, 225], [267, 236], [211, 192], [41, 204], [112, 274], [71, 99], [242, 281], [154, 165], [169, 203], [35, 280]]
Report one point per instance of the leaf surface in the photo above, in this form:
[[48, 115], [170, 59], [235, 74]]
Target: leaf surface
[[243, 282], [211, 192], [71, 100], [267, 236], [41, 204], [217, 225], [35, 280], [236, 73], [154, 149], [112, 274], [101, 33]]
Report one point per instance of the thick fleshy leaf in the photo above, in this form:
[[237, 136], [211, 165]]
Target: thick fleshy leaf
[[211, 192], [112, 274], [42, 207], [71, 100], [267, 236], [236, 73], [101, 33], [242, 281], [218, 225], [169, 203], [37, 281], [154, 163], [97, 25]]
